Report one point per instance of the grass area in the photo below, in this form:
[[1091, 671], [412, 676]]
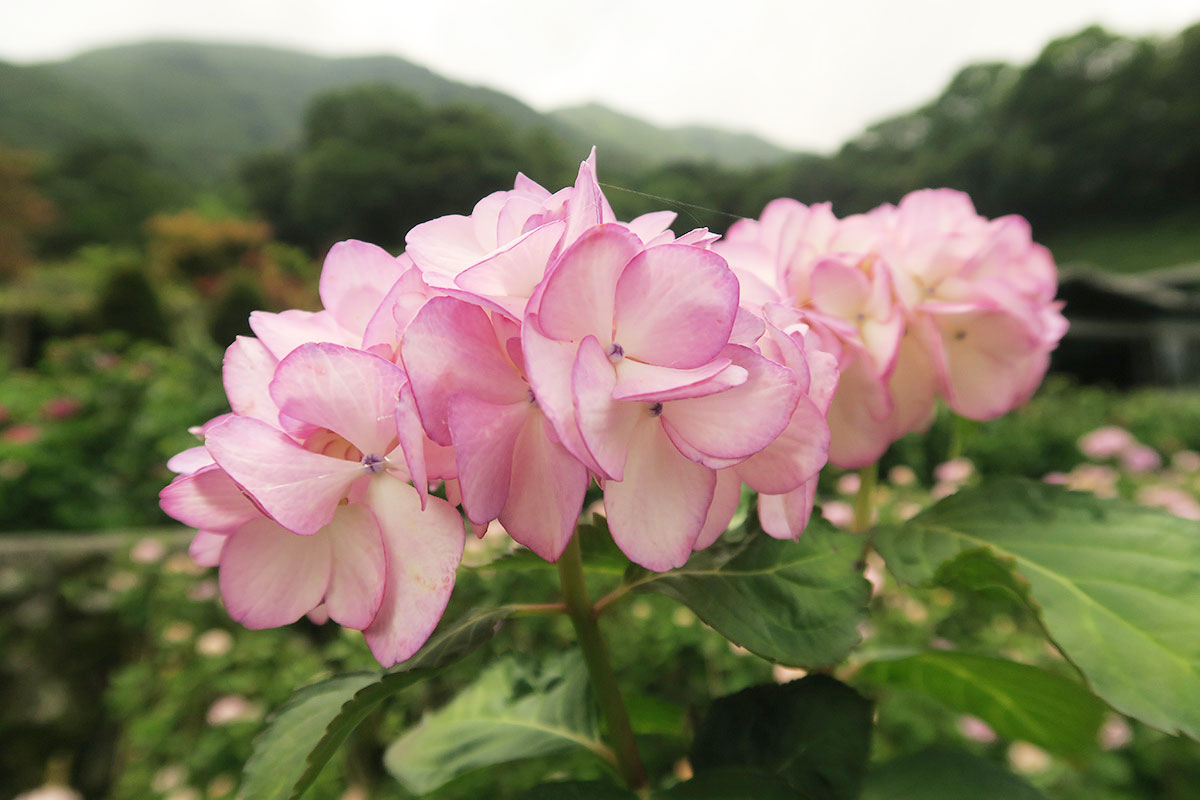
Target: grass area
[[1132, 245]]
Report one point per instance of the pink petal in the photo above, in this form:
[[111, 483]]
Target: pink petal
[[675, 306], [839, 288], [299, 489], [656, 513], [484, 436], [423, 552], [347, 391], [247, 372], [578, 297], [206, 548], [913, 387], [207, 499], [187, 462], [509, 276], [650, 226], [726, 496], [411, 444], [650, 383], [605, 424], [284, 332], [545, 492], [785, 516], [792, 459], [549, 364], [447, 245], [270, 576], [740, 421], [860, 425], [359, 567], [985, 362], [748, 328], [396, 310], [587, 205], [354, 281], [451, 347]]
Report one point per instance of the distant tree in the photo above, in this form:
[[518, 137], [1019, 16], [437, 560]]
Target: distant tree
[[375, 161], [105, 189], [24, 211]]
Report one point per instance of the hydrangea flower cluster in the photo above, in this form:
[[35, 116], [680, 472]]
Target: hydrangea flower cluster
[[918, 300], [508, 358]]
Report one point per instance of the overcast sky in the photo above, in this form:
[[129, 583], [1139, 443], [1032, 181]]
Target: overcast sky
[[807, 74]]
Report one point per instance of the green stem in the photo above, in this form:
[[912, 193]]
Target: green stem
[[595, 654], [864, 501]]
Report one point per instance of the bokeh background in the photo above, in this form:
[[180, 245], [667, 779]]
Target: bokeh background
[[163, 172]]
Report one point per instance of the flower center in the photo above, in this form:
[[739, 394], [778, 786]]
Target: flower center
[[373, 463], [656, 409], [616, 353]]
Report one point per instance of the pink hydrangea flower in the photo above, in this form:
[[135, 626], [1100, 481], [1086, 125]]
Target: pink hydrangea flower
[[923, 299]]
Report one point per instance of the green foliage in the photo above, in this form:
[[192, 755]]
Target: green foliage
[[1117, 586], [796, 603], [1017, 700], [128, 303], [733, 783], [514, 710], [93, 429], [306, 732], [578, 790], [814, 733], [945, 775]]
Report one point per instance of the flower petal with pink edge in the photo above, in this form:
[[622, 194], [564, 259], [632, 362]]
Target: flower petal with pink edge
[[740, 421], [656, 514], [509, 276], [651, 383], [359, 568], [206, 548], [605, 424], [207, 499], [860, 426], [246, 372], [411, 441], [299, 489], [675, 306], [545, 493], [785, 516], [284, 332], [447, 245], [795, 457], [726, 496], [577, 298], [270, 576], [451, 347], [424, 549], [484, 435], [549, 364], [354, 280], [347, 391]]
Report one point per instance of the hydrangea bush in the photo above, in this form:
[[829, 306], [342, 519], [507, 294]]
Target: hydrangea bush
[[649, 412]]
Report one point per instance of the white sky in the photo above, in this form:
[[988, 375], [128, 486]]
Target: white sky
[[807, 73]]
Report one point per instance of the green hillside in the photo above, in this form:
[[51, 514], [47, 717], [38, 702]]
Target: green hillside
[[613, 130], [203, 107]]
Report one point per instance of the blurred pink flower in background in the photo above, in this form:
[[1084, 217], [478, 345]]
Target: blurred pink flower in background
[[1107, 442], [22, 433], [956, 470], [1140, 458], [976, 730], [58, 408]]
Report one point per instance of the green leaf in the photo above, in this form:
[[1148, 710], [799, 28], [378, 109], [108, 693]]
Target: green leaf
[[795, 603], [304, 733], [1117, 585], [510, 712], [578, 790], [733, 783], [280, 751], [654, 716], [945, 775], [814, 732], [1017, 700]]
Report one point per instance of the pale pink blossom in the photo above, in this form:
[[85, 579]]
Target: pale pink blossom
[[956, 470], [1140, 458], [1107, 442]]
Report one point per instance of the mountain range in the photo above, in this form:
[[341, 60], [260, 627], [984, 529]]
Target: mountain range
[[203, 107]]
